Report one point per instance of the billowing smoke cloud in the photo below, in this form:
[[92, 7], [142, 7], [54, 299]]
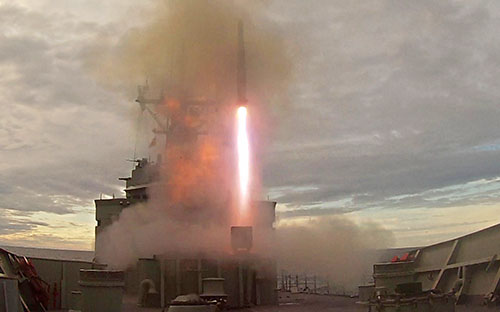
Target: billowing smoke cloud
[[190, 48], [189, 52], [143, 231], [331, 247]]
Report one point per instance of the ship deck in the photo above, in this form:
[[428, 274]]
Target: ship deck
[[288, 303], [301, 303]]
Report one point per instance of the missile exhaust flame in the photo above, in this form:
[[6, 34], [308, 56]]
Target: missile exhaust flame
[[243, 161], [242, 134]]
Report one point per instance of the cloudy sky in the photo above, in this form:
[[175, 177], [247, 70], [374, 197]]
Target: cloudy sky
[[394, 117]]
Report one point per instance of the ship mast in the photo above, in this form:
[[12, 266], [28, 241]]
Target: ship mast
[[163, 125]]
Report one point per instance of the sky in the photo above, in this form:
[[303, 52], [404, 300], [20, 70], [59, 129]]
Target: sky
[[393, 117]]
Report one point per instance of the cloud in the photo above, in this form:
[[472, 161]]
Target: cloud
[[12, 222], [391, 99], [313, 212], [394, 106], [63, 139]]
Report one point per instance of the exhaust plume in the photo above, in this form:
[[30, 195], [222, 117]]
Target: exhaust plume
[[189, 50], [335, 248]]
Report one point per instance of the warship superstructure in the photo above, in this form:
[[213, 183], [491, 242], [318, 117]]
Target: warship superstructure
[[244, 278]]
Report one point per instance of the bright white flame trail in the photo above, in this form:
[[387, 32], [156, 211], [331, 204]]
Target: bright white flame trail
[[243, 158]]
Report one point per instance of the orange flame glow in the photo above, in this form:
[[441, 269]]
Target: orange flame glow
[[243, 159]]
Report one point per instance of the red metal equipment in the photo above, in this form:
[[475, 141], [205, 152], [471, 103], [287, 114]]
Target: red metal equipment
[[33, 291]]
